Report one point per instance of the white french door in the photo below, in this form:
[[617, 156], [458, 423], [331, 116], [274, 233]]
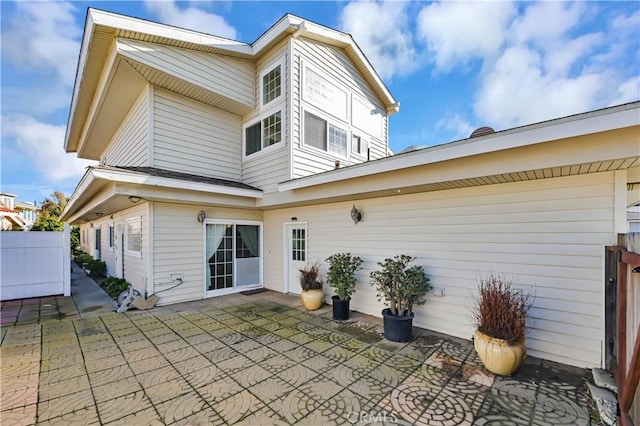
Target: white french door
[[233, 256], [295, 254]]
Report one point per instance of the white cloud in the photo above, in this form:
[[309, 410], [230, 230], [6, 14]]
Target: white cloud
[[43, 36], [627, 91], [191, 18], [382, 31], [455, 126], [517, 91], [545, 22], [44, 144], [457, 32]]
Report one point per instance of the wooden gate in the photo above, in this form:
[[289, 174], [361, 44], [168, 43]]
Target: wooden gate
[[622, 324]]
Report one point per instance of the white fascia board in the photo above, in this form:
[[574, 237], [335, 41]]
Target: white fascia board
[[583, 124], [82, 186], [84, 48], [127, 23], [143, 179]]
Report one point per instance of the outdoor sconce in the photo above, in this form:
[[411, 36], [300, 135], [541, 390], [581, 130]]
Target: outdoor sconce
[[86, 220], [356, 216], [91, 225], [294, 219], [133, 199], [99, 214], [202, 216]]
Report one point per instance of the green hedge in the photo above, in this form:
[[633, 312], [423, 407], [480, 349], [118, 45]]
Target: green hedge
[[114, 286]]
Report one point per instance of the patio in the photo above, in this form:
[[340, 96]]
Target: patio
[[262, 359]]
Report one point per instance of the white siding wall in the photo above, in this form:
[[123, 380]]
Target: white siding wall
[[337, 67], [179, 248], [130, 144], [191, 137], [548, 234], [229, 77], [136, 269], [266, 169]]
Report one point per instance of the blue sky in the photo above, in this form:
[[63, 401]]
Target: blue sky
[[454, 66]]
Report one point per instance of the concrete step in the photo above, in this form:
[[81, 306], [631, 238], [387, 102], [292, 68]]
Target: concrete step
[[607, 403], [604, 379]]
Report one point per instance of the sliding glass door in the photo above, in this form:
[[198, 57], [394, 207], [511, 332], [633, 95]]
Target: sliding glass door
[[233, 256]]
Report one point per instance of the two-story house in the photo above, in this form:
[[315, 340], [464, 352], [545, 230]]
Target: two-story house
[[10, 217], [226, 166]]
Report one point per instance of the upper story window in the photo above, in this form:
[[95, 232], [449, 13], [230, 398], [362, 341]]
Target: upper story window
[[272, 85], [323, 135], [264, 133], [358, 145]]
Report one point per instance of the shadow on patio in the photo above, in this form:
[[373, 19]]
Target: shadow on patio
[[262, 359]]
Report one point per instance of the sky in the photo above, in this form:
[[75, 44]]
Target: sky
[[454, 66]]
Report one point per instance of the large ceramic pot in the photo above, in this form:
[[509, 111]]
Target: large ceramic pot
[[397, 328], [497, 355], [312, 299], [340, 308]]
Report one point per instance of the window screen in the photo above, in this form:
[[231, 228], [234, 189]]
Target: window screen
[[315, 131]]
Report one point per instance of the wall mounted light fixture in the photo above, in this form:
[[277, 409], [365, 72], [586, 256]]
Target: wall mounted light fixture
[[356, 216], [133, 199], [202, 216], [99, 214]]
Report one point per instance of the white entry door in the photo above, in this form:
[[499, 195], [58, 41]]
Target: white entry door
[[118, 251], [296, 254]]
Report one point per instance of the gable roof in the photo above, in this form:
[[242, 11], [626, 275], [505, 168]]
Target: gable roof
[[102, 28]]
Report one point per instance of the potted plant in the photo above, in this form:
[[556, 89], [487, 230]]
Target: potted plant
[[311, 283], [402, 287], [500, 313], [341, 276]]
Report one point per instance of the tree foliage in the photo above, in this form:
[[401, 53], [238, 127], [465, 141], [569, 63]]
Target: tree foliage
[[50, 211]]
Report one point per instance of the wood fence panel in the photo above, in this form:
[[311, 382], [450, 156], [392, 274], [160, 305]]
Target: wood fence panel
[[34, 264], [633, 322]]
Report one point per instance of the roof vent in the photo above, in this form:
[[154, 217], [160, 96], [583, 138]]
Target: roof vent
[[481, 131]]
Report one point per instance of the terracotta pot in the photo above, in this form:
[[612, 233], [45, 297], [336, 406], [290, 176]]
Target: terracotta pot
[[497, 355], [312, 299]]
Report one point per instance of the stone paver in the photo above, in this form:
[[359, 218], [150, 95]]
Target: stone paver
[[262, 359]]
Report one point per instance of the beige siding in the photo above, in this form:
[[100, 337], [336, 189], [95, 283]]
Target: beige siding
[[230, 77], [548, 234], [130, 143], [192, 137], [136, 269], [179, 248], [338, 69], [266, 169]]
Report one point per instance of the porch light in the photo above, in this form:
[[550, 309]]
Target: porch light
[[99, 214], [133, 199], [201, 216], [356, 216]]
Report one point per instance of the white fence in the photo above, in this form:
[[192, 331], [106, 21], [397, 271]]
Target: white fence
[[34, 264]]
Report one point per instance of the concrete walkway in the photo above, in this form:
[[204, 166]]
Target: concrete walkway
[[263, 359], [87, 299]]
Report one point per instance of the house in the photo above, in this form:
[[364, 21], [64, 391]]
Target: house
[[226, 166], [28, 211], [10, 217]]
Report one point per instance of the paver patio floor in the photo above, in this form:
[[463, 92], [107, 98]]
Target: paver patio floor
[[262, 359]]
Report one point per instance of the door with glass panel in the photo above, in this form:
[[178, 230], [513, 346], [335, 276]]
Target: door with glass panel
[[296, 252], [233, 258]]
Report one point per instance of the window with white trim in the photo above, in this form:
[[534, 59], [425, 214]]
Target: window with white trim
[[272, 85], [264, 133], [323, 135], [358, 145], [133, 237], [110, 237]]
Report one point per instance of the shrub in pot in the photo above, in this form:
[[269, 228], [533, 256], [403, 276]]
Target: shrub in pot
[[311, 283], [402, 287], [341, 276], [500, 313]]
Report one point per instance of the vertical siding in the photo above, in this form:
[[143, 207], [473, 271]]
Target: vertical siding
[[130, 143], [548, 234], [335, 64], [266, 169], [179, 248], [192, 137]]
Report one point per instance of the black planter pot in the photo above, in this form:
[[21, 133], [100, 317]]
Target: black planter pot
[[397, 329], [340, 308]]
